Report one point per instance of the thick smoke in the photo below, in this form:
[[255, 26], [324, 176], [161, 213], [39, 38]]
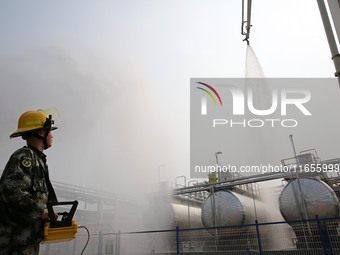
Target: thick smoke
[[110, 135]]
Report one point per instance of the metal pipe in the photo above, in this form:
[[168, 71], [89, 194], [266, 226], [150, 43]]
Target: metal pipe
[[243, 21], [213, 206], [298, 183], [253, 179], [304, 215], [252, 191], [330, 35], [217, 165], [334, 7], [245, 26], [216, 156], [189, 218], [242, 180], [248, 16], [177, 240]]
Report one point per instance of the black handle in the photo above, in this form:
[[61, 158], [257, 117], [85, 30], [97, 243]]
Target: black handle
[[66, 220]]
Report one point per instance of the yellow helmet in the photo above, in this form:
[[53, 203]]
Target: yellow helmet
[[32, 121]]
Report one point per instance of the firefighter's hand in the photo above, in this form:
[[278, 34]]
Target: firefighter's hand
[[45, 216]]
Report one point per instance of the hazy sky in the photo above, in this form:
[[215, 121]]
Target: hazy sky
[[119, 74]]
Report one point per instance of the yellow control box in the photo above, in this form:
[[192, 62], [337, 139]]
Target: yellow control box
[[60, 230], [60, 234]]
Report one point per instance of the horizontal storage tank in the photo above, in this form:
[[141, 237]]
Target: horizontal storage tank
[[166, 213], [234, 209], [186, 216], [228, 208], [319, 199], [231, 209]]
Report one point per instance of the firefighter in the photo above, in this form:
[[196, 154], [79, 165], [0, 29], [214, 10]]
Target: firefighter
[[25, 187]]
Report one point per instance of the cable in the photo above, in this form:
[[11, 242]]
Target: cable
[[88, 238]]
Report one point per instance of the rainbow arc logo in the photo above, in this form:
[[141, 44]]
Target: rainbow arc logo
[[212, 93]]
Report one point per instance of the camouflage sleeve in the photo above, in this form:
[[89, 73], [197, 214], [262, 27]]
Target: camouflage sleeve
[[17, 191]]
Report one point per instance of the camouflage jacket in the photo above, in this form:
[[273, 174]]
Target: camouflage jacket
[[23, 195]]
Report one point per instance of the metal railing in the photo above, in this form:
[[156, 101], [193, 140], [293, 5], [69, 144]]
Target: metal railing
[[313, 236]]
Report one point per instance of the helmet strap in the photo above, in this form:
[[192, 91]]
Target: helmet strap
[[47, 127], [43, 138]]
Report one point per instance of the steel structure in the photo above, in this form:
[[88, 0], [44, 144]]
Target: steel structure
[[333, 181], [98, 210]]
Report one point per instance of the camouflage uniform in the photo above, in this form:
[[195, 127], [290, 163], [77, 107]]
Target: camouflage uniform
[[24, 190]]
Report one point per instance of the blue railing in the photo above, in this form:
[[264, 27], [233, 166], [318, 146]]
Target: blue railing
[[313, 236]]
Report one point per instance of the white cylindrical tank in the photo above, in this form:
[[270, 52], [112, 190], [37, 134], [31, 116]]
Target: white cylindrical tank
[[166, 213], [306, 198], [186, 216], [230, 211], [227, 208]]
